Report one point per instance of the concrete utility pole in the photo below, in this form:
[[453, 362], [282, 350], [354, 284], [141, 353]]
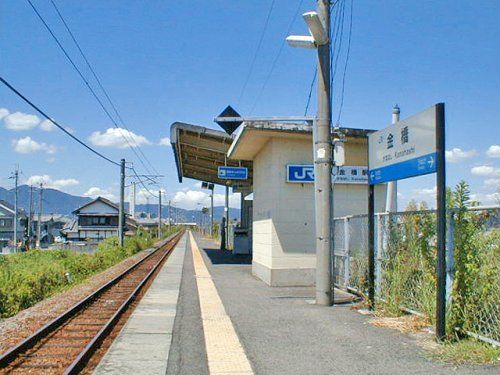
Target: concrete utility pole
[[40, 209], [159, 213], [318, 24], [391, 203], [30, 217], [169, 216], [16, 181], [323, 169], [132, 201], [121, 210]]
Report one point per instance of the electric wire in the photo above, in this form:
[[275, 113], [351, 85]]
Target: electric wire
[[142, 183], [98, 80], [68, 57], [311, 90], [259, 45], [275, 61], [41, 112], [345, 65]]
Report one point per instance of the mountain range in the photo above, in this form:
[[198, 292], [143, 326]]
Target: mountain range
[[59, 202]]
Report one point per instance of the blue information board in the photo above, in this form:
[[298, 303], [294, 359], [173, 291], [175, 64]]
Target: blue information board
[[233, 173], [414, 167]]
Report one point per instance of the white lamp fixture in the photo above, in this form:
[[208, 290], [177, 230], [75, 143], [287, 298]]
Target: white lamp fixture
[[301, 41], [316, 28], [318, 35]]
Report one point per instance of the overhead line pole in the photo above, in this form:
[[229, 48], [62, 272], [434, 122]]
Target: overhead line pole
[[30, 217], [39, 226], [323, 168], [159, 213], [16, 181], [121, 210]]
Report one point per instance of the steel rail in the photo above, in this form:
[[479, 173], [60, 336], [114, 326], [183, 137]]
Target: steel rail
[[80, 362], [57, 322]]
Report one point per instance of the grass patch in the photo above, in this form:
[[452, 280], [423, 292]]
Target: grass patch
[[468, 351], [28, 278]]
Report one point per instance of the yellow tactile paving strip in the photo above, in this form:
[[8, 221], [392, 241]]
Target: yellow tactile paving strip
[[224, 351]]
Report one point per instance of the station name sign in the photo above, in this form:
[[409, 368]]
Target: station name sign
[[304, 174], [232, 173], [405, 149]]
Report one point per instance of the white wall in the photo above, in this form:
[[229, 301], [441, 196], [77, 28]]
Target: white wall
[[98, 207], [283, 213]]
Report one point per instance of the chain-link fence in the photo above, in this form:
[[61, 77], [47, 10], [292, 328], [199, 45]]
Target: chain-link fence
[[405, 265]]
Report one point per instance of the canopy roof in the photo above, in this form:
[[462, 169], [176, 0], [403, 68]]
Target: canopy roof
[[199, 151]]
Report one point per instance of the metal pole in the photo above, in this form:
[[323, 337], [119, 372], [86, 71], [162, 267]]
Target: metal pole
[[39, 226], [121, 211], [212, 212], [16, 179], [323, 169], [226, 215], [391, 203], [30, 217], [169, 218], [371, 246], [441, 223], [159, 213]]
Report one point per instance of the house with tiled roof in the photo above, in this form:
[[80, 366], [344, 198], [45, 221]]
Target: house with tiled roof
[[95, 221]]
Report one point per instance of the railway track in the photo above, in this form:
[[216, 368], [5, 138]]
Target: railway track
[[67, 343]]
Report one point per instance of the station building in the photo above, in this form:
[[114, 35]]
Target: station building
[[279, 225]]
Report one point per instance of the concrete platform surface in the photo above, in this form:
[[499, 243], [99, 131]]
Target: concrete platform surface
[[281, 332], [143, 345]]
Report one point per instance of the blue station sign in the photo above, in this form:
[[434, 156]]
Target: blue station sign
[[300, 174], [233, 173], [304, 174], [404, 149]]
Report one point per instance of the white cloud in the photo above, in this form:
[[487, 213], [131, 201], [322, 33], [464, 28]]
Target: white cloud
[[486, 171], [3, 112], [18, 121], [492, 182], [485, 199], [493, 151], [95, 192], [27, 145], [47, 126], [456, 155], [165, 142], [426, 192], [117, 138], [189, 199], [51, 183]]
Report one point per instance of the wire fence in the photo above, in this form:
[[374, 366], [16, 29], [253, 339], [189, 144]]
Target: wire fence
[[405, 265]]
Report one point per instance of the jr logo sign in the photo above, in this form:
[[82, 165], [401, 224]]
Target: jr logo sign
[[300, 173]]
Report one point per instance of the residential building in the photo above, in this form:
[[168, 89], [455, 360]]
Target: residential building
[[95, 221], [7, 224]]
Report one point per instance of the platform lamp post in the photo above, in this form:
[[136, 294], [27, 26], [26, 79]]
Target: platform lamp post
[[319, 28]]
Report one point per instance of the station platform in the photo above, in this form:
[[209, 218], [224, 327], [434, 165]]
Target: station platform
[[229, 322]]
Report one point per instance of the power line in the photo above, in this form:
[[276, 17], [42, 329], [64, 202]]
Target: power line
[[266, 23], [142, 183], [99, 81], [68, 57], [310, 91], [345, 66], [275, 61], [36, 108]]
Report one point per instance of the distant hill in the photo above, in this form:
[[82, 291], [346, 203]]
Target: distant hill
[[58, 202], [54, 201]]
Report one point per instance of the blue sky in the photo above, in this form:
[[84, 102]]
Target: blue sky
[[167, 61]]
